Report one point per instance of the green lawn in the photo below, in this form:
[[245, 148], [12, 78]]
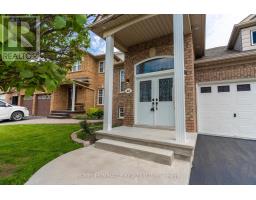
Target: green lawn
[[26, 148]]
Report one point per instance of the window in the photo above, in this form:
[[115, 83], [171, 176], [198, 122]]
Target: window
[[122, 80], [223, 88], [206, 89], [101, 67], [76, 67], [165, 89], [154, 65], [101, 96], [145, 91], [2, 104], [243, 87], [253, 37], [121, 112]]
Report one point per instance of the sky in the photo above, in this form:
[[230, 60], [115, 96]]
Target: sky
[[218, 30]]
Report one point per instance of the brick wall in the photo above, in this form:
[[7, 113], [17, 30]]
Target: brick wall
[[86, 96], [160, 47], [236, 69], [119, 99]]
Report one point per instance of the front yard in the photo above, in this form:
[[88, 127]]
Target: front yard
[[26, 148]]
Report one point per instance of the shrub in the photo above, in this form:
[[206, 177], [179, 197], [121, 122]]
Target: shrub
[[87, 133], [95, 113], [79, 116]]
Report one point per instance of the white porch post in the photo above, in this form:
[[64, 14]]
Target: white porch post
[[179, 85], [73, 96], [108, 86]]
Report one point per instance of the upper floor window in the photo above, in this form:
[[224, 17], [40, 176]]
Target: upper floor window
[[154, 65], [76, 67], [253, 37], [101, 67], [122, 80]]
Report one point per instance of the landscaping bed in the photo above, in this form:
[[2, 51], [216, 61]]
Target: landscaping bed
[[26, 148]]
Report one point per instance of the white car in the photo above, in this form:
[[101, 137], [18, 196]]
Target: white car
[[15, 113]]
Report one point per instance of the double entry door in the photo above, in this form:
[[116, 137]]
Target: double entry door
[[154, 99]]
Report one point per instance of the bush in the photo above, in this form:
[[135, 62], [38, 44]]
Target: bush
[[80, 116], [94, 113], [87, 133]]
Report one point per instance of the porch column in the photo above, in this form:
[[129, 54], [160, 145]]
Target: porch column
[[108, 85], [179, 85], [73, 96]]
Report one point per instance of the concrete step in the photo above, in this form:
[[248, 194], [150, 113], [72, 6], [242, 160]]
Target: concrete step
[[158, 155], [58, 116], [68, 111], [182, 151]]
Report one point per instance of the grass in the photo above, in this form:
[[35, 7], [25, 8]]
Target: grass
[[26, 148], [95, 127]]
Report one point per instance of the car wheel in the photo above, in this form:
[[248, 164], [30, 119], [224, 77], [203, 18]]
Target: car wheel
[[17, 116]]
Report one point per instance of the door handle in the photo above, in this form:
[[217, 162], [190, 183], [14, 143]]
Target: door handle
[[156, 105], [153, 105], [234, 115]]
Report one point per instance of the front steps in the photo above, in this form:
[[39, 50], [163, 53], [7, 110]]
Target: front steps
[[158, 155], [64, 114], [182, 151], [146, 143]]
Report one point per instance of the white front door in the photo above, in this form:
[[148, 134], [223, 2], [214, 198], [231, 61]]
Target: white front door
[[155, 106], [227, 109]]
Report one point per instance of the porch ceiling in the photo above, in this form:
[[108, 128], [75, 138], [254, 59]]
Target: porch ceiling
[[130, 30]]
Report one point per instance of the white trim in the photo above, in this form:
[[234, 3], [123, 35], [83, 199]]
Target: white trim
[[103, 67], [252, 31], [120, 82], [153, 74]]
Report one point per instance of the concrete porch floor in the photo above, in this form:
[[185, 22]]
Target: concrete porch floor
[[149, 134]]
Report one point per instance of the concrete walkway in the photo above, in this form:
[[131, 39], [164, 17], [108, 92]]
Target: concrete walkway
[[94, 166], [45, 120]]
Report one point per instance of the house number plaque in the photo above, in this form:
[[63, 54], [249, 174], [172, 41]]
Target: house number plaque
[[128, 90]]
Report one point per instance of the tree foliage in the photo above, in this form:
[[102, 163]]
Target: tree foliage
[[63, 41]]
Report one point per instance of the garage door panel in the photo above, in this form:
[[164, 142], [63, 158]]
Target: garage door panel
[[229, 113], [43, 104]]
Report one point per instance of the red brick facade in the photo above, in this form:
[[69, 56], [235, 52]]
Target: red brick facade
[[158, 47], [219, 71]]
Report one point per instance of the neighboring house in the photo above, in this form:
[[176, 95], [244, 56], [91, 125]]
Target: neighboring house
[[219, 94], [84, 85], [86, 78], [38, 104]]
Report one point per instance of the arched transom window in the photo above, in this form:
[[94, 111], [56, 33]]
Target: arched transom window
[[155, 65]]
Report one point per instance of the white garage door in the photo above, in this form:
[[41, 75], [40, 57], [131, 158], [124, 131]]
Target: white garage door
[[227, 109]]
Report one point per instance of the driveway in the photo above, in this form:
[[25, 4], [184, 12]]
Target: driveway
[[41, 120], [225, 161]]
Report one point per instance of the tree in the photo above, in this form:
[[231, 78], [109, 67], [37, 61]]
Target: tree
[[64, 39]]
